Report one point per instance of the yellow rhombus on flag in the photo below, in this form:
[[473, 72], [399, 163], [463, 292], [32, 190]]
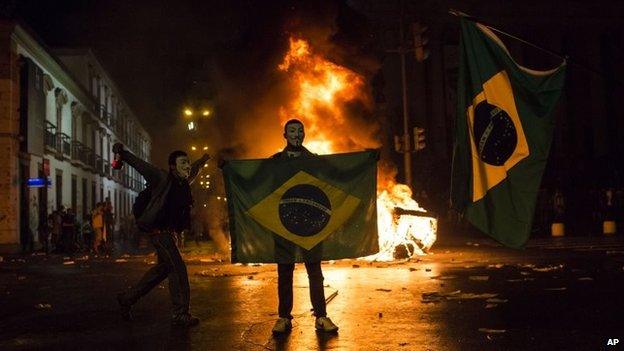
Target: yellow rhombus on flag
[[497, 92], [339, 209]]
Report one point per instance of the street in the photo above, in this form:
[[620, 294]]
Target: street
[[556, 294]]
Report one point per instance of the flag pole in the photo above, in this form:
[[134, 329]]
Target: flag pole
[[564, 57]]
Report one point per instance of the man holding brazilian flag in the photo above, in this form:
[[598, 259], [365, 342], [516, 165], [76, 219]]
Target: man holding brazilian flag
[[503, 135]]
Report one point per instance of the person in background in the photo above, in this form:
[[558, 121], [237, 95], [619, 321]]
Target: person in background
[[87, 233], [57, 227], [109, 221], [97, 222]]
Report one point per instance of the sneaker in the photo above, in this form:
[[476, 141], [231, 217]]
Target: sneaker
[[282, 325], [325, 324], [124, 307], [184, 320]]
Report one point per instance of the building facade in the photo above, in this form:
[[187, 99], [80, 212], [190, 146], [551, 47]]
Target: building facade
[[60, 114]]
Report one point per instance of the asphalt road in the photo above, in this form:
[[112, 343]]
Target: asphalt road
[[555, 295]]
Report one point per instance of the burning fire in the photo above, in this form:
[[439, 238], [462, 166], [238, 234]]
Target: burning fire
[[322, 90]]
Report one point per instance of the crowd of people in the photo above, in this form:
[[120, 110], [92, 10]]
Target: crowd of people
[[63, 231]]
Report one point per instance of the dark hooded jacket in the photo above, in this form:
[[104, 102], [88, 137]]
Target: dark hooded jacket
[[161, 182]]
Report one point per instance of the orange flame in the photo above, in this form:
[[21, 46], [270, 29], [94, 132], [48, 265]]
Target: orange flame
[[321, 92]]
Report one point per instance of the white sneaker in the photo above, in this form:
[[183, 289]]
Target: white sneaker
[[282, 325], [325, 324]]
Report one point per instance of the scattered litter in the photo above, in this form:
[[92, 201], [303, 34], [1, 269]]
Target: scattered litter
[[67, 263], [380, 314], [447, 277], [471, 296], [255, 264], [498, 265], [615, 252], [238, 264], [151, 262], [479, 277], [492, 331], [38, 254], [384, 290], [120, 260], [403, 343], [125, 256], [548, 268], [496, 300], [43, 306], [527, 265], [427, 269], [250, 277], [556, 289], [331, 262], [491, 305], [66, 258], [525, 273], [206, 260], [520, 280], [21, 277], [356, 266], [415, 269], [472, 244], [586, 279], [455, 295], [83, 258]]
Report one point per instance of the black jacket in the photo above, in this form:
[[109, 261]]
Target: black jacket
[[160, 182]]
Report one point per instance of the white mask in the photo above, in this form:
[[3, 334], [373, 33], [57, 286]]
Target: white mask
[[183, 167], [294, 134]]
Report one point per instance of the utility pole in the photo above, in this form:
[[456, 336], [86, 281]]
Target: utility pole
[[407, 156]]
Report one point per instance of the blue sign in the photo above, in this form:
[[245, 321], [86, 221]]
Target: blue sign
[[38, 182]]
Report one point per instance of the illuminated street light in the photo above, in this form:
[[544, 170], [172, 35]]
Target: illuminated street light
[[205, 148], [188, 112], [206, 113], [191, 125], [206, 165], [193, 148]]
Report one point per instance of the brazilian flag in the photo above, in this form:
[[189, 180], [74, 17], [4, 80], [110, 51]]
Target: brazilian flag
[[503, 135], [302, 209]]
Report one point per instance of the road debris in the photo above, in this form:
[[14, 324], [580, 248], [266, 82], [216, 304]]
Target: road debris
[[121, 260], [585, 278], [548, 268], [355, 266], [492, 331], [455, 295], [67, 263], [557, 289], [498, 265], [384, 290], [43, 306], [520, 280], [479, 277]]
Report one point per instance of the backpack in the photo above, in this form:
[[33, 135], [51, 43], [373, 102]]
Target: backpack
[[140, 204]]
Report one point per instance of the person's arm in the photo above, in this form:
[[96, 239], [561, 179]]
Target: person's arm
[[196, 166], [150, 172]]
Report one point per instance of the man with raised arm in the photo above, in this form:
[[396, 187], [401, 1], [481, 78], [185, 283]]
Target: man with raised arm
[[164, 214]]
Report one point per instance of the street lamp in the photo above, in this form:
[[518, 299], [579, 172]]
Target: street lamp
[[188, 112], [206, 113]]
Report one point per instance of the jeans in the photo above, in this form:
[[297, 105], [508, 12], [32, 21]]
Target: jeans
[[170, 265], [285, 288]]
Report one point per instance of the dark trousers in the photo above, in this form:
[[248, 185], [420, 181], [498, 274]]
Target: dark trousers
[[170, 265], [285, 288]]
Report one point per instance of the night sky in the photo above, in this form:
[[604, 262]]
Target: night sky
[[165, 55]]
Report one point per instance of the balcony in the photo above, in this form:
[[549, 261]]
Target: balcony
[[98, 168], [107, 169], [87, 157], [50, 136], [76, 152], [64, 141]]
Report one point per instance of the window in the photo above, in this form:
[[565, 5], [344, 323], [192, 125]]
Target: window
[[93, 199], [59, 188], [74, 192], [84, 197]]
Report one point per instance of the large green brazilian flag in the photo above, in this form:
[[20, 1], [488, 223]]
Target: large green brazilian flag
[[291, 209], [503, 134]]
